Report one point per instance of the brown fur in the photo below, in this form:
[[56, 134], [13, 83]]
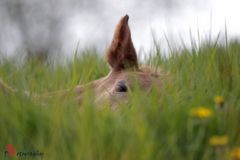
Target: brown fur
[[125, 72], [121, 54], [5, 88]]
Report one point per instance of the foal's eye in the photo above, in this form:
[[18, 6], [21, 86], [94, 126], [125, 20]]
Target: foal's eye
[[121, 87]]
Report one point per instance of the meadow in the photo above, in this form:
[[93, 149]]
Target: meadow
[[195, 116]]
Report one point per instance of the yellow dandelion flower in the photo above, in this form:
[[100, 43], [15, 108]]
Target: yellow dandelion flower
[[219, 100], [201, 112], [235, 153], [218, 141]]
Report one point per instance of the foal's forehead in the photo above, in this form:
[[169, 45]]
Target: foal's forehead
[[130, 76]]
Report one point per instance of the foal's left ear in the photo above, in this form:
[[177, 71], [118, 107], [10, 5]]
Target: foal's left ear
[[121, 53]]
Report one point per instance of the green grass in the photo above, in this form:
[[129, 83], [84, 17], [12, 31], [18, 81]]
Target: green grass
[[157, 126]]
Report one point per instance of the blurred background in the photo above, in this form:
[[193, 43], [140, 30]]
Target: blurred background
[[47, 27]]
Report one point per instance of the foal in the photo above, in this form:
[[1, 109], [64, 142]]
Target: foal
[[124, 74]]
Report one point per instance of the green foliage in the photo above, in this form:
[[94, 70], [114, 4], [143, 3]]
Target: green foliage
[[157, 126]]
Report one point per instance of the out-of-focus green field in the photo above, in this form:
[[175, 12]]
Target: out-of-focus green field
[[195, 116]]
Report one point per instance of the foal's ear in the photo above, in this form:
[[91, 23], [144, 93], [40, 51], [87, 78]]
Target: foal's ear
[[121, 53]]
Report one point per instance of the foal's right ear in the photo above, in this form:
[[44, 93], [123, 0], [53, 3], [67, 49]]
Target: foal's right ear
[[121, 53]]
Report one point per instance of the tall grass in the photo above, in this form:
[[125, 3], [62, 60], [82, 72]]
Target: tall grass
[[161, 125]]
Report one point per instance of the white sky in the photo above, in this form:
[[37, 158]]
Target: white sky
[[95, 28], [209, 17]]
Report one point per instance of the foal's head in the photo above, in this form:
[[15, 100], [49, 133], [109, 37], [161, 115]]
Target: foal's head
[[125, 72]]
